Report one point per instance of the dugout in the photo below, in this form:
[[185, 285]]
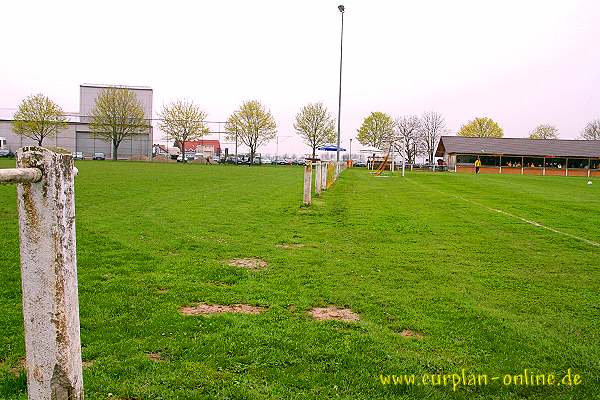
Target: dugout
[[519, 156]]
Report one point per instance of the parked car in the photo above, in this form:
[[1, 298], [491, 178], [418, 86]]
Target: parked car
[[187, 158], [282, 162], [78, 155], [99, 156], [359, 163], [265, 161], [4, 151], [301, 161]]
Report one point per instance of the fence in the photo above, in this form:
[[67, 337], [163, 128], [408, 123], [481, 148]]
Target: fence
[[326, 173], [46, 205]]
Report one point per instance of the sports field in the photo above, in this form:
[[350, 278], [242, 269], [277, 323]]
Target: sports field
[[490, 274]]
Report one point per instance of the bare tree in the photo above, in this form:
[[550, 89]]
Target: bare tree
[[38, 117], [118, 114], [591, 130], [407, 137], [315, 125], [182, 121], [253, 125], [544, 131], [433, 126]]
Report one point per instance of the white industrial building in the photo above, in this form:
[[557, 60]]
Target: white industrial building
[[77, 137]]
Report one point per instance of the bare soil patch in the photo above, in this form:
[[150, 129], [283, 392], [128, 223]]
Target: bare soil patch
[[410, 333], [87, 363], [154, 357], [22, 366], [332, 312], [248, 263], [290, 246], [162, 290], [208, 309]]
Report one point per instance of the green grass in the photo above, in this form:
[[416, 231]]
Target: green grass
[[489, 292]]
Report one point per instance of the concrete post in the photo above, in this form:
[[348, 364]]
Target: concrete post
[[318, 179], [324, 175], [49, 277], [307, 183]]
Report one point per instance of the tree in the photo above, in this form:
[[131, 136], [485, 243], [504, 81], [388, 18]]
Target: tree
[[481, 127], [591, 130], [253, 125], [544, 131], [315, 125], [377, 130], [118, 114], [433, 126], [38, 117], [407, 136], [182, 121]]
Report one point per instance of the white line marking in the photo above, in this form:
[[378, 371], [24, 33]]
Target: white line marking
[[534, 223]]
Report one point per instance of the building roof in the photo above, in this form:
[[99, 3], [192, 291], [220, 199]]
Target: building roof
[[193, 144], [518, 147], [104, 86]]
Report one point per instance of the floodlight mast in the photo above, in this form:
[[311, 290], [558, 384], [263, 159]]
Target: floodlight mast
[[342, 9]]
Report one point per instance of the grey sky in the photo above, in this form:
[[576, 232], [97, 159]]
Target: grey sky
[[518, 62]]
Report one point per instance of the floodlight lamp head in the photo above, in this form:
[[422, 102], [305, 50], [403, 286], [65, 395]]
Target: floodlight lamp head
[[341, 8]]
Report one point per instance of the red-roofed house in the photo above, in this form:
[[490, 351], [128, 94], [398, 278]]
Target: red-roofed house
[[204, 147]]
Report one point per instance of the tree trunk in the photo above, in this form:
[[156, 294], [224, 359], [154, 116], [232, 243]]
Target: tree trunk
[[115, 149], [40, 140], [183, 157], [314, 151]]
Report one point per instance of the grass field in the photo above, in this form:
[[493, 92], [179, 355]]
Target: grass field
[[488, 292]]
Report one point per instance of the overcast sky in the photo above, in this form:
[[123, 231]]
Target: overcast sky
[[520, 62]]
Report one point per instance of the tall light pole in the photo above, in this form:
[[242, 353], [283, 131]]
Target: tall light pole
[[342, 9]]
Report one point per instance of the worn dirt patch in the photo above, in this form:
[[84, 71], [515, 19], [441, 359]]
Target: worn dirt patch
[[332, 312], [154, 357], [87, 363], [410, 333], [290, 246], [162, 290], [22, 366], [248, 263], [207, 309]]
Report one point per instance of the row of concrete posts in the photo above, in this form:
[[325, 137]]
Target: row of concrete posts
[[325, 173]]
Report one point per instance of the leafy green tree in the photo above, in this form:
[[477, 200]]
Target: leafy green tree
[[38, 117], [544, 131], [315, 125], [118, 114], [182, 121], [377, 130], [253, 125], [481, 127], [591, 130]]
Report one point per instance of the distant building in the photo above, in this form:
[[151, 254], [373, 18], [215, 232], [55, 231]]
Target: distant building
[[77, 137], [521, 156], [204, 147]]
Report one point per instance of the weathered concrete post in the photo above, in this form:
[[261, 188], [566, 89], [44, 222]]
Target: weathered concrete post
[[49, 277], [307, 183], [324, 175], [318, 179]]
